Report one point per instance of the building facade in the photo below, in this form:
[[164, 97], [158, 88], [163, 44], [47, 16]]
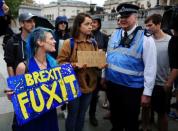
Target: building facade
[[144, 4], [32, 8], [68, 8]]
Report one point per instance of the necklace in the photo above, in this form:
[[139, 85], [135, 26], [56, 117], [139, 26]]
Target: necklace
[[41, 64]]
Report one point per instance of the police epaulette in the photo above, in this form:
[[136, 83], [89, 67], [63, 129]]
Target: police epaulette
[[147, 33]]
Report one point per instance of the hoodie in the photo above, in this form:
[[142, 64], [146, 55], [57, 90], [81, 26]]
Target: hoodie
[[101, 38], [58, 34]]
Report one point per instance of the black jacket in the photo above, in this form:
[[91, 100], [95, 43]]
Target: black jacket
[[58, 36], [102, 39], [14, 51], [173, 52]]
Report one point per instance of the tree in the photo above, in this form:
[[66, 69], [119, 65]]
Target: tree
[[14, 6], [29, 1]]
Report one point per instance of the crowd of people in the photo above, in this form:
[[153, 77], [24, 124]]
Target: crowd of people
[[140, 73]]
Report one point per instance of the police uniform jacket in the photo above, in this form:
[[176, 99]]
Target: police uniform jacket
[[135, 66]]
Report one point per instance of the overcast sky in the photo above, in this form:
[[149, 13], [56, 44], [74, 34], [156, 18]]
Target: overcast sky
[[98, 2]]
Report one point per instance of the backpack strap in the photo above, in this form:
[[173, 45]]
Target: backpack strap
[[71, 46], [94, 43], [72, 43], [16, 44]]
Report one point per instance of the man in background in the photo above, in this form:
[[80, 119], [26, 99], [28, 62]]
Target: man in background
[[14, 52], [102, 42], [61, 33], [159, 97]]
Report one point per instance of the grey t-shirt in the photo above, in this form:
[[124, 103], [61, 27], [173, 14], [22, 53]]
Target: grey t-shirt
[[163, 68]]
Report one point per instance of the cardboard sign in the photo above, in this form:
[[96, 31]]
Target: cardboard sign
[[38, 92], [91, 58]]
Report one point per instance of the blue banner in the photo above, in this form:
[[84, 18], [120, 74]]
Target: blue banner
[[1, 8], [38, 92]]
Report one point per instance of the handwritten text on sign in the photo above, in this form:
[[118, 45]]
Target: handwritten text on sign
[[40, 91]]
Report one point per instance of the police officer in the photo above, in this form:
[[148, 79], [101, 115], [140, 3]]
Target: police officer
[[159, 95], [131, 71]]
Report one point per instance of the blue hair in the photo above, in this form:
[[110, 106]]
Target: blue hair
[[38, 34]]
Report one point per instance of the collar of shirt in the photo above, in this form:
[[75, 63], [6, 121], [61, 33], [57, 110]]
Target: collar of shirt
[[82, 41], [130, 31]]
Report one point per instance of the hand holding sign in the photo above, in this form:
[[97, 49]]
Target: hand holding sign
[[102, 66], [9, 93], [78, 65]]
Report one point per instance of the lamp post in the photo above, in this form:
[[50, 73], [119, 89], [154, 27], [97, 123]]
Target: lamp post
[[92, 8], [110, 6], [58, 7], [157, 3]]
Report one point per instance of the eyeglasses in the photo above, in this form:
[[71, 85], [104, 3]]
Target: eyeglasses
[[62, 22]]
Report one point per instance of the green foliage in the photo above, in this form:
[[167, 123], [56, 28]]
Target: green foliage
[[14, 6]]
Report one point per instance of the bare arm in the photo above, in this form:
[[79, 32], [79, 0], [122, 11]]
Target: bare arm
[[21, 68], [173, 75], [10, 71]]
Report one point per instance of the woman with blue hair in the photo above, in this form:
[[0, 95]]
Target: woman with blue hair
[[40, 42]]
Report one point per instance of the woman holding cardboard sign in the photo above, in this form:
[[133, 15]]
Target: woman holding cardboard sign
[[87, 76], [39, 43]]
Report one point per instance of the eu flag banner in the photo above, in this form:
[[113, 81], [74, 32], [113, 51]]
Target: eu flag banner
[[38, 92], [1, 8]]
